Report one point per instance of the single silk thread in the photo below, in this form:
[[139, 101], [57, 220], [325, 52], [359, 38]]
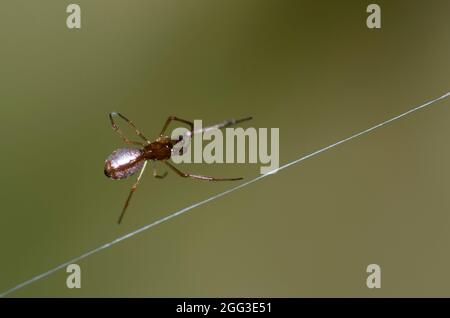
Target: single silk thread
[[219, 195]]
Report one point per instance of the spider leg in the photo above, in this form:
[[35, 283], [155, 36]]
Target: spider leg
[[155, 173], [133, 188], [224, 124], [196, 176], [174, 118], [117, 129]]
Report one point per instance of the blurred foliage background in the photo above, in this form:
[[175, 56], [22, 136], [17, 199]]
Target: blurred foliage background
[[311, 68]]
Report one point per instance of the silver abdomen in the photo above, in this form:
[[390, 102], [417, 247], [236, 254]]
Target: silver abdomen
[[123, 163]]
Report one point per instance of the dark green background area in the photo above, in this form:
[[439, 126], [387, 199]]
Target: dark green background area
[[311, 68]]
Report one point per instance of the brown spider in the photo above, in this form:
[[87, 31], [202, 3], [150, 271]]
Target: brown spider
[[124, 162]]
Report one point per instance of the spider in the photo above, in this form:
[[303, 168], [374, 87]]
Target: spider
[[125, 162]]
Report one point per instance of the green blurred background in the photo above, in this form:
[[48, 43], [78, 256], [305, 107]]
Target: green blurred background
[[311, 68]]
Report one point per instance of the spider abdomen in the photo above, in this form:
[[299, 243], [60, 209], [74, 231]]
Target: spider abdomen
[[123, 162]]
